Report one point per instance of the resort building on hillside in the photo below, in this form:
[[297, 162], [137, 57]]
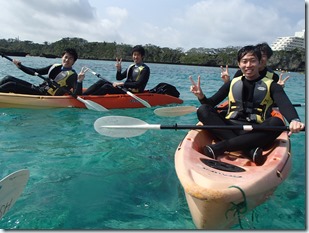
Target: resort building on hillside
[[290, 42]]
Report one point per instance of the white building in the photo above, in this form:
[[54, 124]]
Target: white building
[[290, 42]]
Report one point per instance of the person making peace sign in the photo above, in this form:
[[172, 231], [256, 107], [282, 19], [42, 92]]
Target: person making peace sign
[[137, 76]]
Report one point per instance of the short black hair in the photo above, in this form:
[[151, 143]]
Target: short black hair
[[140, 49], [71, 52], [249, 49], [265, 48]]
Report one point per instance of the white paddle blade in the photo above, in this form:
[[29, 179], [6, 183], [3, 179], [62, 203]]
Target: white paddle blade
[[92, 105], [11, 188], [143, 102], [174, 111], [120, 126]]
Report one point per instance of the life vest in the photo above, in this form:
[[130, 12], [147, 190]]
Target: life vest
[[256, 111], [269, 74], [135, 77], [61, 79]]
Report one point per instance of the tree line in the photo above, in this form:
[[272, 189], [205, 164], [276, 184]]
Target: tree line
[[285, 60]]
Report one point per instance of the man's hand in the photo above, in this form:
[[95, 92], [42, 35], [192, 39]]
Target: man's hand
[[196, 88], [225, 74]]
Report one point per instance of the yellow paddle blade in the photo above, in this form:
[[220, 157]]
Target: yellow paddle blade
[[174, 111]]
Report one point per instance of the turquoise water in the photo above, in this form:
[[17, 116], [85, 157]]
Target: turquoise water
[[80, 179]]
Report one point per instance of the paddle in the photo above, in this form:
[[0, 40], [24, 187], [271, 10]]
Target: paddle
[[143, 102], [11, 188], [88, 103], [174, 111], [124, 127], [183, 110]]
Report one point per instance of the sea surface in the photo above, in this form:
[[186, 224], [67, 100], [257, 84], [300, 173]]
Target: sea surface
[[82, 180]]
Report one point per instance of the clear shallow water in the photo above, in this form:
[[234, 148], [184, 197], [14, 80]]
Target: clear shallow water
[[82, 180]]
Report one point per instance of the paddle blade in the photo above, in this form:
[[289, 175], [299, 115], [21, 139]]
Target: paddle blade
[[11, 188], [92, 105], [143, 102], [120, 126], [174, 111]]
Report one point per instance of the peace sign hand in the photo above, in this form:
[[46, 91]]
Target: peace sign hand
[[81, 75], [225, 74], [196, 88], [118, 63], [282, 82]]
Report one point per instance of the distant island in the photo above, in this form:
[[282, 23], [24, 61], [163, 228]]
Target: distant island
[[281, 60]]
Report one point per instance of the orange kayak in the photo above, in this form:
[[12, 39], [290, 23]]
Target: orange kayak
[[219, 191], [11, 100]]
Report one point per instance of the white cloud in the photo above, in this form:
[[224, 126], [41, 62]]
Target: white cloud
[[187, 24], [220, 23], [51, 20]]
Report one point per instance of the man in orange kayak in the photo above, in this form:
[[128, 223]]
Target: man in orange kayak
[[251, 97], [137, 76], [63, 74]]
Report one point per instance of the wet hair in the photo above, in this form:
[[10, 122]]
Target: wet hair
[[265, 48], [72, 52], [249, 49], [140, 49]]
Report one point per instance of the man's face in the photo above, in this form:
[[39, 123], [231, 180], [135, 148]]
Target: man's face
[[137, 57], [264, 60], [67, 60], [249, 65]]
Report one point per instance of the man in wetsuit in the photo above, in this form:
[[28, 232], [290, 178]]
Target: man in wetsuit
[[63, 74], [137, 77], [250, 97], [264, 70]]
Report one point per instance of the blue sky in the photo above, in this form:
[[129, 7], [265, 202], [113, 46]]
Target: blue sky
[[175, 24]]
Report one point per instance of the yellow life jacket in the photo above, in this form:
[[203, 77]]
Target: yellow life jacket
[[61, 79], [256, 111], [135, 77], [269, 75]]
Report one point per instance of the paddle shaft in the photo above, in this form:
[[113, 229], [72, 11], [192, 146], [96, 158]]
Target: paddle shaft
[[229, 127], [294, 105], [178, 127]]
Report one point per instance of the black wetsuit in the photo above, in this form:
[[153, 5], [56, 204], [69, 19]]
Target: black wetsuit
[[136, 82], [233, 140], [15, 85]]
